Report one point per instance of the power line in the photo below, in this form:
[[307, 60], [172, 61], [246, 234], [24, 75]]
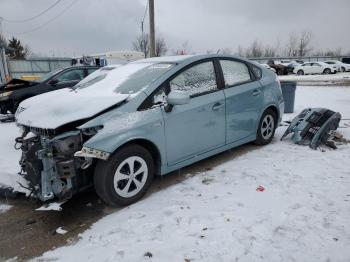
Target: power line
[[32, 18], [49, 21]]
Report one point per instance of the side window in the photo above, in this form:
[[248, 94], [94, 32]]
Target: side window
[[198, 79], [159, 97], [257, 72], [234, 72], [72, 75], [91, 70]]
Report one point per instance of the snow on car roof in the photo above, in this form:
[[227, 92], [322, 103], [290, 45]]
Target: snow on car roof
[[178, 58]]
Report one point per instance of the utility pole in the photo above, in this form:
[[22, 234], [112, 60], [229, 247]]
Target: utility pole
[[152, 38]]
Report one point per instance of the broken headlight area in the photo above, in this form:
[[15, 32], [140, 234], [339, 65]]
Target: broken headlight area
[[314, 127], [49, 166], [92, 153]]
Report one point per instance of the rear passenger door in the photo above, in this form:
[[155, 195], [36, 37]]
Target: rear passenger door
[[317, 68], [307, 68], [243, 100]]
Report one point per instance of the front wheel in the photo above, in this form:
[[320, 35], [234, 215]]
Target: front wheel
[[125, 177], [267, 127], [300, 72]]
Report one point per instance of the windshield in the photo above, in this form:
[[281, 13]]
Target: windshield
[[125, 79], [49, 75]]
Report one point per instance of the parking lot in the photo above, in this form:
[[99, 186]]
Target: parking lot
[[281, 202]]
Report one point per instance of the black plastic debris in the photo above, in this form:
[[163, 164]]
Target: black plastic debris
[[314, 127]]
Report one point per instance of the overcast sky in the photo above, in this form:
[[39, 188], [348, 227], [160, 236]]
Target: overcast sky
[[91, 26]]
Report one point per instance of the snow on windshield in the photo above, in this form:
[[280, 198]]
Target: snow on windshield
[[126, 79]]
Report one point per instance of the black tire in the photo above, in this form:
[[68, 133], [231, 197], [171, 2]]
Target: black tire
[[300, 72], [327, 71], [342, 69], [2, 110], [105, 173], [263, 138]]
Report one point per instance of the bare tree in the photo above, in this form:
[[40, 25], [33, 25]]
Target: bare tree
[[240, 51], [254, 50], [3, 41], [292, 45], [141, 44], [270, 51], [184, 50], [161, 47], [335, 52], [304, 46]]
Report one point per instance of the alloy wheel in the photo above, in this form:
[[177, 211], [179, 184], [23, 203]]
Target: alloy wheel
[[130, 176], [267, 127]]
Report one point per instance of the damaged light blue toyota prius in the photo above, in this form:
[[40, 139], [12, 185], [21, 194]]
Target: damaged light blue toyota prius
[[122, 125]]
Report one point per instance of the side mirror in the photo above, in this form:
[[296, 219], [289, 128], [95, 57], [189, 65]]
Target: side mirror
[[53, 82], [176, 97]]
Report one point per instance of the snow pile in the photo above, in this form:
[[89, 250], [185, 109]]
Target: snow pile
[[4, 207], [281, 202], [9, 157]]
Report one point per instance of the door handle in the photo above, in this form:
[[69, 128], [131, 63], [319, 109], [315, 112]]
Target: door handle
[[217, 106], [256, 92]]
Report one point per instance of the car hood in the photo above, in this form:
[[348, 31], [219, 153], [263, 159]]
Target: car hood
[[54, 109], [14, 84]]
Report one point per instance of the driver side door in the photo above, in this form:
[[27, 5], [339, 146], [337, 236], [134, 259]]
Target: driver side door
[[199, 126]]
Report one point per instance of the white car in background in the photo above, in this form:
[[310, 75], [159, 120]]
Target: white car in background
[[309, 68], [341, 67]]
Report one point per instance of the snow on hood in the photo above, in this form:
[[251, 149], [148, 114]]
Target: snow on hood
[[91, 96], [54, 109]]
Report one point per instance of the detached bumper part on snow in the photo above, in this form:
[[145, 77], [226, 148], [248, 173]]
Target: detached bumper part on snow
[[313, 127], [49, 165]]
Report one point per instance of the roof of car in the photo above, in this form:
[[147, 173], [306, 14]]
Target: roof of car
[[183, 58]]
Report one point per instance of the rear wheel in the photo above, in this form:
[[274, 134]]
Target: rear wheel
[[300, 72], [125, 177], [327, 71], [342, 69], [267, 127]]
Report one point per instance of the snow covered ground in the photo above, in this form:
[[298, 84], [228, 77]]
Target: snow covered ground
[[4, 207], [300, 213]]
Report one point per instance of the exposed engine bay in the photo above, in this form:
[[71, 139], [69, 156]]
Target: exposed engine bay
[[49, 166], [314, 127]]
